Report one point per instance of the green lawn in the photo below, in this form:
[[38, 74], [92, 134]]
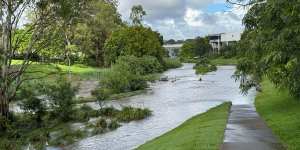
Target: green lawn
[[202, 132], [281, 112], [79, 71], [224, 61]]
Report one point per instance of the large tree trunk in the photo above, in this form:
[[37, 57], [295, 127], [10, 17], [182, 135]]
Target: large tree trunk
[[4, 105]]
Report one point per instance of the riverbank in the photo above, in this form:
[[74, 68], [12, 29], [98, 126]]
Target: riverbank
[[204, 131], [281, 112], [221, 61]]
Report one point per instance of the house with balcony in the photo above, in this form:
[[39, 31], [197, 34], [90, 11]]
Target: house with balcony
[[217, 41]]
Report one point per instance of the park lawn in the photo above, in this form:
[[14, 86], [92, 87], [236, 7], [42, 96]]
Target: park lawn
[[281, 112], [78, 71], [204, 131], [224, 61]]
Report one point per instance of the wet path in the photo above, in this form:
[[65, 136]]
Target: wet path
[[247, 131]]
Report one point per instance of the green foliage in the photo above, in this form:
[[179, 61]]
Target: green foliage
[[67, 136], [203, 66], [198, 47], [137, 41], [96, 28], [33, 102], [109, 112], [113, 125], [129, 113], [84, 113], [270, 45], [61, 96], [137, 14], [128, 74], [142, 65], [171, 63], [229, 51], [102, 94], [202, 132], [119, 80]]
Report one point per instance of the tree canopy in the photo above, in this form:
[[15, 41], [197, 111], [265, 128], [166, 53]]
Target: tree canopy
[[135, 40], [195, 48], [270, 45]]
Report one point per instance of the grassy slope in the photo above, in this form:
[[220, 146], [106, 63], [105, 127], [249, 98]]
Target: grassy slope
[[204, 131], [281, 112], [224, 61], [78, 71]]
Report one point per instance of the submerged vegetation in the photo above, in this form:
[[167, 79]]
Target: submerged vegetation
[[204, 66]]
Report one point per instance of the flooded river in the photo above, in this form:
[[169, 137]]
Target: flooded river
[[172, 103]]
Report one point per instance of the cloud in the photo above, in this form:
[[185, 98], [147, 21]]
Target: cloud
[[182, 19]]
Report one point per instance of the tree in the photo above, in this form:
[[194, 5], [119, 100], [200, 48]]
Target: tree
[[171, 41], [100, 19], [136, 40], [137, 14], [10, 14], [195, 48], [270, 46], [67, 14], [33, 101], [61, 96]]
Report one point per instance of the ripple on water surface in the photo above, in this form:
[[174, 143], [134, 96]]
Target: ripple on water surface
[[172, 103]]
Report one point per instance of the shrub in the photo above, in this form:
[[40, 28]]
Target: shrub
[[100, 126], [109, 112], [120, 78], [172, 63], [67, 136], [84, 113], [33, 101], [61, 97], [113, 125], [203, 66], [129, 113], [101, 123]]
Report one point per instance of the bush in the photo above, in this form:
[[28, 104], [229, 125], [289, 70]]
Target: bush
[[203, 69], [129, 113], [109, 112], [61, 97], [171, 63], [67, 136], [203, 66], [101, 123], [124, 77], [84, 113], [113, 125]]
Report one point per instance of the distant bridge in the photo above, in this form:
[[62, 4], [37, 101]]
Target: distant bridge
[[173, 49]]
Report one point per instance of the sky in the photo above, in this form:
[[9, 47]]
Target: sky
[[185, 19]]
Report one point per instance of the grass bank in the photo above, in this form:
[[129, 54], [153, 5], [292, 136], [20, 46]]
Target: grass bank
[[281, 112], [224, 61], [204, 131]]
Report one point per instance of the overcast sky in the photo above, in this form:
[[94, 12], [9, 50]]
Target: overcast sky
[[182, 19]]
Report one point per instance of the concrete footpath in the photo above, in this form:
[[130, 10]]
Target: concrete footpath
[[247, 131]]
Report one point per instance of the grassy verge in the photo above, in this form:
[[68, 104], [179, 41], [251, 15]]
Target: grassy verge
[[204, 131], [224, 61], [79, 71], [281, 112]]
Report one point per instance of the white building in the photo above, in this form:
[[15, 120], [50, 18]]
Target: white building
[[222, 39], [173, 49]]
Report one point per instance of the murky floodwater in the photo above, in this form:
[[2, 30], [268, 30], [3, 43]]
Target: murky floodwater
[[172, 103]]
